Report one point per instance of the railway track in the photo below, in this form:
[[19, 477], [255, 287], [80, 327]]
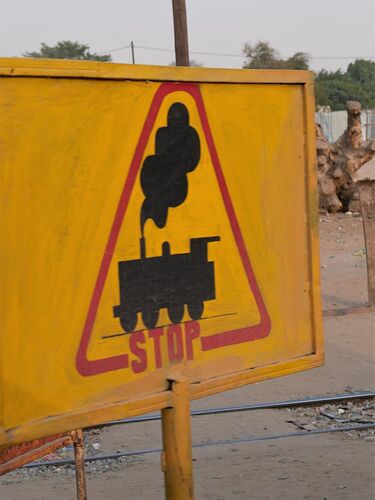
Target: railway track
[[292, 403]]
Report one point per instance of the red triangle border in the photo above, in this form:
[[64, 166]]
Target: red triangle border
[[88, 367]]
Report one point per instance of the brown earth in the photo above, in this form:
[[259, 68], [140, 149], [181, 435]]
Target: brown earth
[[324, 466]]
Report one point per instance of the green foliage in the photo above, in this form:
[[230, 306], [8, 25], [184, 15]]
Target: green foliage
[[357, 83], [263, 56], [68, 50], [332, 88], [299, 60], [193, 64], [362, 71]]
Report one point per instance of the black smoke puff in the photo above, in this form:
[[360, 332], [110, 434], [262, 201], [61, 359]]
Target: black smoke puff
[[164, 175]]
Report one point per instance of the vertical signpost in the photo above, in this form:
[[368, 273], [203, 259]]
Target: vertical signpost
[[366, 187], [177, 460], [180, 33]]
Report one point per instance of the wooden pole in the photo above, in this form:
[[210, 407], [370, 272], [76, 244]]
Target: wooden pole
[[180, 33], [132, 50], [177, 462], [366, 189]]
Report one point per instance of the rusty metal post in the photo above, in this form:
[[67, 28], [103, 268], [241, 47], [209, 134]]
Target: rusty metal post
[[177, 463], [21, 454], [79, 460], [180, 33], [367, 196]]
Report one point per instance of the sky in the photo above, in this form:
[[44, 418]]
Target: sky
[[331, 31]]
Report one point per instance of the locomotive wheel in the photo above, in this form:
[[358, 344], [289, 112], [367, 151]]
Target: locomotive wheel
[[128, 321], [150, 315], [176, 312], [195, 309]]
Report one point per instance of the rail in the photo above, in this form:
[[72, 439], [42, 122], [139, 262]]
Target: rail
[[230, 409]]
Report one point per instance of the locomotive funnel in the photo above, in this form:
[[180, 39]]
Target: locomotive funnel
[[142, 244]]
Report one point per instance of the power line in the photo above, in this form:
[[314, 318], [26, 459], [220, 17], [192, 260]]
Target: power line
[[222, 54], [154, 49], [342, 57], [191, 52], [114, 50]]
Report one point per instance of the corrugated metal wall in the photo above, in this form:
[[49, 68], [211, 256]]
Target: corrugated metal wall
[[334, 123]]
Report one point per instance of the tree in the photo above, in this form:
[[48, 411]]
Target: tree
[[357, 83], [300, 60], [338, 163], [193, 64], [362, 71], [68, 50], [260, 56], [263, 56]]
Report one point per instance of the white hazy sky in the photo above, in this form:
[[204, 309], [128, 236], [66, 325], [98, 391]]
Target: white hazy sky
[[326, 29]]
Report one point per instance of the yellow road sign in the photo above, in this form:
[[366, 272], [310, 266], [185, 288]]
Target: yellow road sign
[[158, 222]]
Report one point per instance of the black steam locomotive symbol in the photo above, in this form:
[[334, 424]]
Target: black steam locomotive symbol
[[169, 281]]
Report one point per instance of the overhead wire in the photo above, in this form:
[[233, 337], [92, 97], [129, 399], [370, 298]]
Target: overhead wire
[[222, 54], [114, 50]]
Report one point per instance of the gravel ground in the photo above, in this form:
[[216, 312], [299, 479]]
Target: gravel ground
[[334, 416]]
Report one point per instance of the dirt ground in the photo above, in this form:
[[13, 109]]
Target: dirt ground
[[319, 466]]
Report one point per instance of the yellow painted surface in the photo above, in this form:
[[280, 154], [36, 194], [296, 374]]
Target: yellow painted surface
[[67, 149]]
